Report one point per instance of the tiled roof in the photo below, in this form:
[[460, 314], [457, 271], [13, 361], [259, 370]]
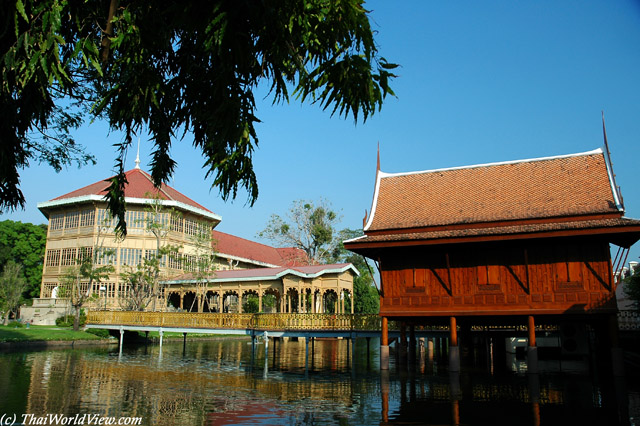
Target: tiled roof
[[140, 185], [604, 226], [566, 186], [270, 273], [246, 250]]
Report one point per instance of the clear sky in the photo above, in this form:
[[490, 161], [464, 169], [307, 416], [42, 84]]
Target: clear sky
[[479, 82]]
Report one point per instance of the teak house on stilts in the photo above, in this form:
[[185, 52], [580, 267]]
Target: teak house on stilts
[[521, 243]]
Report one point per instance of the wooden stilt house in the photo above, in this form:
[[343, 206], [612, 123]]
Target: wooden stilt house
[[516, 239]]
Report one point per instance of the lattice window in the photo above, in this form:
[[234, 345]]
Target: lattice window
[[176, 223], [72, 220], [175, 261], [53, 257], [152, 254], [135, 219], [87, 218], [130, 257], [47, 289], [106, 256], [56, 221], [68, 257], [85, 253]]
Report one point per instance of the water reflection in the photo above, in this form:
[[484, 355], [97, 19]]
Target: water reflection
[[231, 382]]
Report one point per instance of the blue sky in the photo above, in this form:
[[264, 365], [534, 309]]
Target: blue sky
[[479, 82]]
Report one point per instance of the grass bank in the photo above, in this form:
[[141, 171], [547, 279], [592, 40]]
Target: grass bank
[[40, 333]]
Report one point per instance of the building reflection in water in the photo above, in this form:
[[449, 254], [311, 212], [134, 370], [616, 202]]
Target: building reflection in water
[[223, 382]]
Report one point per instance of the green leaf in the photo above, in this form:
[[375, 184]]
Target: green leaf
[[20, 7]]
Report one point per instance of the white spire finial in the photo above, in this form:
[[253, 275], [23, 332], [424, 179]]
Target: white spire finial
[[138, 155]]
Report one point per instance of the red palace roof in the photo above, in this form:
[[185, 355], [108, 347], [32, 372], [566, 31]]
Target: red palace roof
[[139, 186], [246, 250]]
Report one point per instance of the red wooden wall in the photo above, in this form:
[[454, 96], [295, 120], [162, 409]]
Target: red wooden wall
[[552, 277]]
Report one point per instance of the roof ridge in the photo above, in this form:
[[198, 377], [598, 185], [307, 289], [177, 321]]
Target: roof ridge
[[150, 179], [500, 163]]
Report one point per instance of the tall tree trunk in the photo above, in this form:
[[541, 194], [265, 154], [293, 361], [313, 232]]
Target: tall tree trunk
[[76, 319]]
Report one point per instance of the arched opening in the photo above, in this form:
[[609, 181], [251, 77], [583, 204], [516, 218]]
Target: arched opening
[[270, 301], [330, 302], [173, 301], [250, 302], [230, 302], [210, 302]]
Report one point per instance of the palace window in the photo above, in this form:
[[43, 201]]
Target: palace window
[[105, 218], [175, 261], [106, 256], [85, 253], [57, 221], [176, 223], [130, 257], [53, 257], [152, 254], [72, 220], [68, 257], [87, 217], [134, 219]]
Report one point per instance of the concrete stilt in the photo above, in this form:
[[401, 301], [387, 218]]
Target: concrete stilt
[[454, 349], [384, 345], [121, 340], [532, 350]]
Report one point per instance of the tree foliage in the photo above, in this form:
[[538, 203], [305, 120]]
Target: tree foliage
[[367, 298], [308, 226], [12, 285], [24, 244], [172, 68]]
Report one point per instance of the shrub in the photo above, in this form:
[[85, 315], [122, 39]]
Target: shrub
[[15, 324], [100, 332], [67, 320]]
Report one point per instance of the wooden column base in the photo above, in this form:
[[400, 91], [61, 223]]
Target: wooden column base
[[384, 357]]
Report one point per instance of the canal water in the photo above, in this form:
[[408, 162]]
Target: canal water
[[224, 382]]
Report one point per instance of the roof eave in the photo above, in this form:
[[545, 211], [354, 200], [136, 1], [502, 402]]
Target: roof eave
[[44, 206]]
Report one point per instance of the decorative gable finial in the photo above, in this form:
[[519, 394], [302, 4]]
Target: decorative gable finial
[[607, 153], [378, 165], [138, 156]]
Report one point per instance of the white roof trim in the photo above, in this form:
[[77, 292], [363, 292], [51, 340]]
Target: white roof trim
[[612, 182], [354, 239], [279, 275], [581, 154], [382, 175], [100, 198], [374, 205]]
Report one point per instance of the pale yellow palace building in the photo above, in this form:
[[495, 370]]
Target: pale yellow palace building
[[79, 224]]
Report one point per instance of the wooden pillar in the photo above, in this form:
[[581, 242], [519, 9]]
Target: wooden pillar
[[617, 354], [384, 345], [353, 300], [403, 343], [454, 349], [532, 350], [412, 344], [259, 300], [200, 302], [240, 301], [300, 301], [220, 300], [181, 299], [342, 301]]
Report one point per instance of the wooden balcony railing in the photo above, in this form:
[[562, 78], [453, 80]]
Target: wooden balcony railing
[[367, 322]]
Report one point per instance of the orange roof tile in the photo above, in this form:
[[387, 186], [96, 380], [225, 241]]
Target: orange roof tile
[[566, 186]]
